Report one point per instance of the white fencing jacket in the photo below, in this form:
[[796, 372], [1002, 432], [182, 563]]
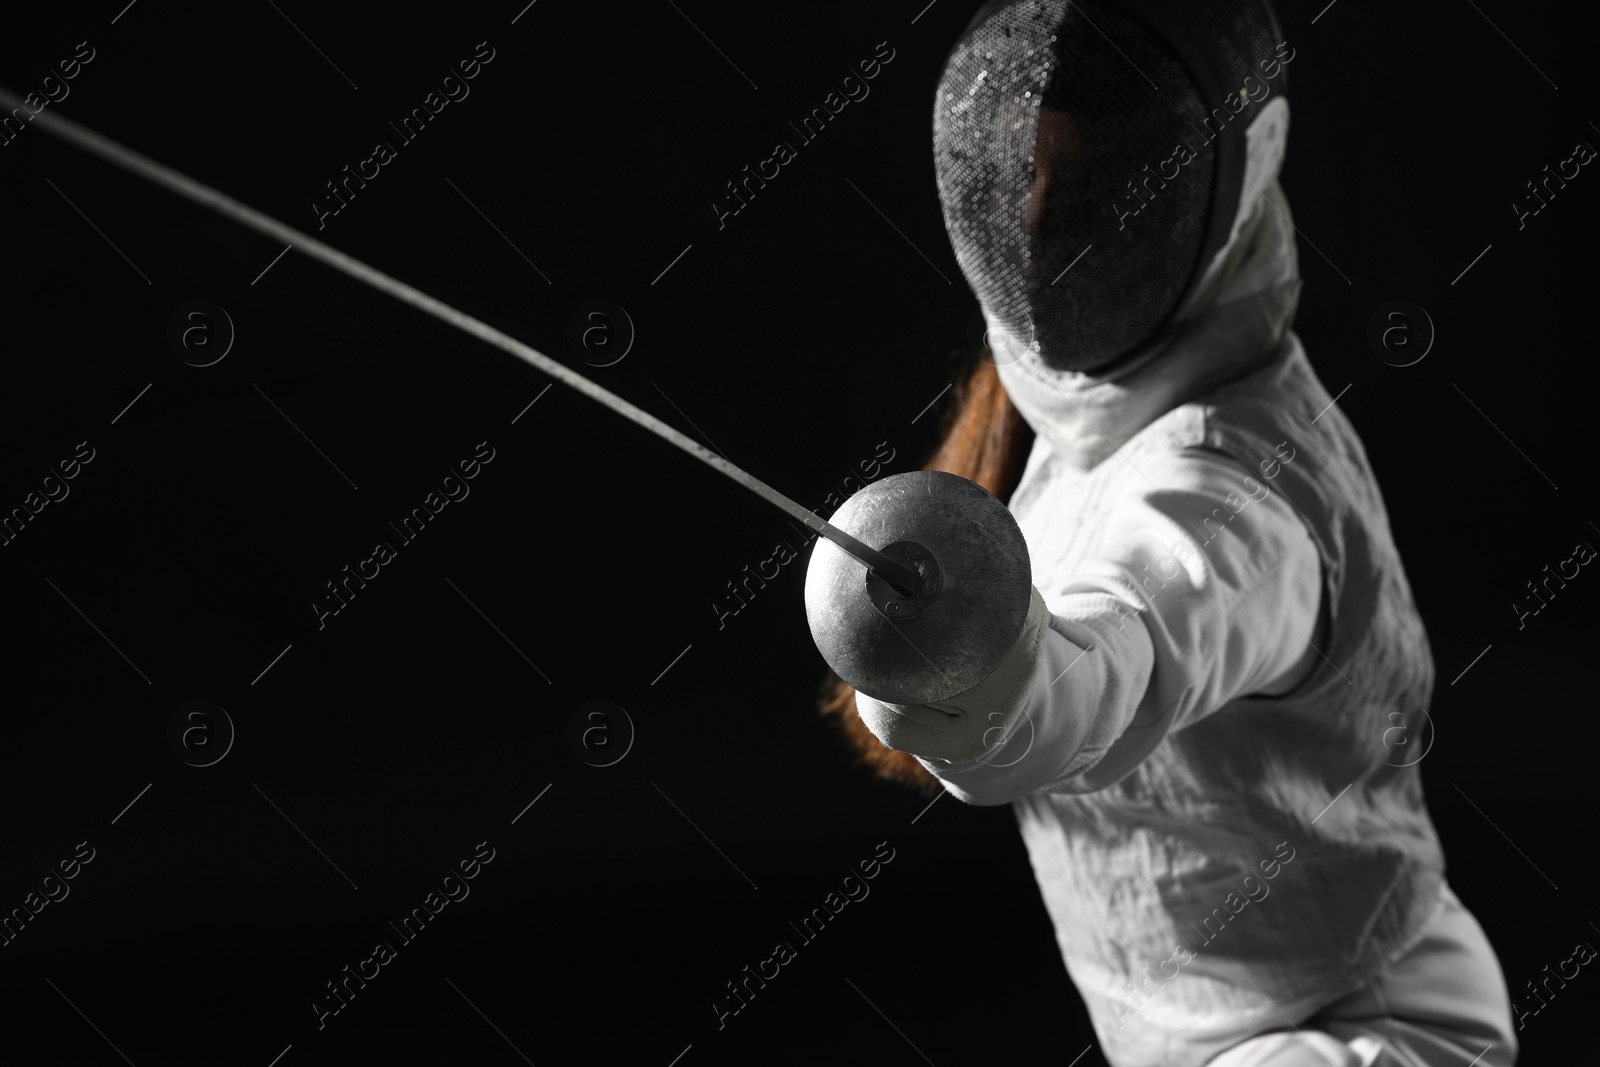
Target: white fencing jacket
[[1205, 770]]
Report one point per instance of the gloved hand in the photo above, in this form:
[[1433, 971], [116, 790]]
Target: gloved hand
[[970, 724]]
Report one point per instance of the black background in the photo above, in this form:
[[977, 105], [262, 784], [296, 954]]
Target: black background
[[798, 337]]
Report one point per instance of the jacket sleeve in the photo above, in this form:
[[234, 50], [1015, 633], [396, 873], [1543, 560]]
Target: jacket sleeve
[[1205, 586]]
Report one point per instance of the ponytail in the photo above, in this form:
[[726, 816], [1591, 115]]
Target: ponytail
[[985, 441]]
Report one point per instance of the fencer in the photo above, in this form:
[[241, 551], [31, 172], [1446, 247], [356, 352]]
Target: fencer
[[1194, 720]]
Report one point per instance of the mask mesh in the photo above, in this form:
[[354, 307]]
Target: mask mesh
[[1075, 214]]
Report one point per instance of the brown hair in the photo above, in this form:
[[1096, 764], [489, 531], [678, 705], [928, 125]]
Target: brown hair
[[986, 441]]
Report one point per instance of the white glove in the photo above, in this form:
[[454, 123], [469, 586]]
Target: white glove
[[970, 724]]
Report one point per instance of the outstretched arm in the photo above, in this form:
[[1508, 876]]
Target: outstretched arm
[[1205, 587]]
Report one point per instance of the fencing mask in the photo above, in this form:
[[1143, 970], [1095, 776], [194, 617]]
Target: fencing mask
[[1089, 158]]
